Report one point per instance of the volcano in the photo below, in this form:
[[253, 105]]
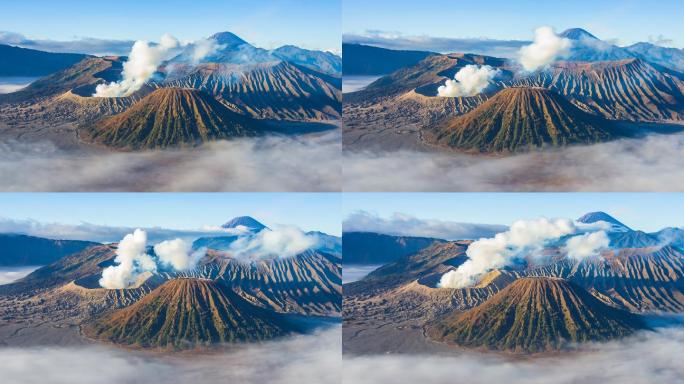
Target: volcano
[[537, 315], [244, 221], [518, 119], [171, 117], [185, 313]]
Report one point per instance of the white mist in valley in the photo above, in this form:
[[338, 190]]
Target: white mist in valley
[[12, 274], [270, 163], [314, 358], [653, 163], [647, 357]]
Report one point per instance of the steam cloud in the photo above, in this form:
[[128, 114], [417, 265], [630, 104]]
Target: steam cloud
[[203, 48], [132, 259], [283, 241], [544, 50], [142, 63], [144, 60], [178, 253], [525, 237], [586, 245], [469, 81]]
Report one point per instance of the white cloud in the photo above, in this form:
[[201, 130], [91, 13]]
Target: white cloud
[[278, 242], [545, 49], [468, 81], [476, 45], [131, 260], [86, 45], [586, 245], [203, 48], [97, 233], [178, 254], [405, 225]]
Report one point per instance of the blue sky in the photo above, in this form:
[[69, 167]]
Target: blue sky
[[309, 211], [307, 23], [627, 20], [645, 211]]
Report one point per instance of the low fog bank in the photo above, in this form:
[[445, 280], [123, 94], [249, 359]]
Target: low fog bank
[[357, 82], [400, 224], [12, 274], [356, 272], [649, 357], [653, 163], [13, 84], [272, 163], [306, 359]]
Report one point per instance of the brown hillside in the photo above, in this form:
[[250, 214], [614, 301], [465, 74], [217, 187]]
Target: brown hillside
[[536, 315], [518, 119]]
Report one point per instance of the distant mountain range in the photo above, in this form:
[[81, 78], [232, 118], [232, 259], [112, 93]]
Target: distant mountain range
[[21, 250], [16, 61], [569, 301], [377, 248], [361, 59]]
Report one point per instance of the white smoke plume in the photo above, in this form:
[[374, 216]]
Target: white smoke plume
[[142, 62], [131, 259], [501, 250], [468, 81], [203, 48], [525, 237], [178, 254], [544, 50], [279, 242], [586, 245]]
